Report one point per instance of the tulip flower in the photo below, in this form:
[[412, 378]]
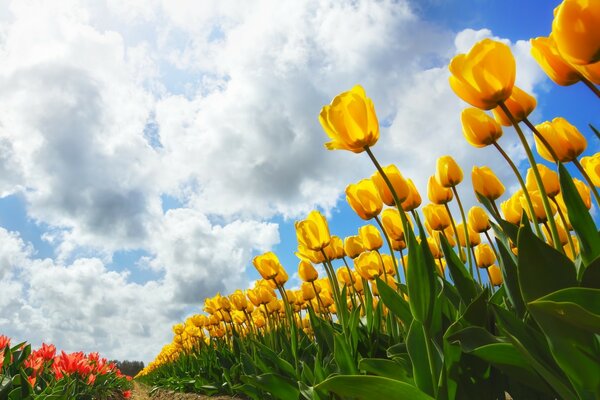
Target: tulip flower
[[436, 216], [485, 76], [563, 235], [486, 183], [370, 237], [448, 173], [433, 246], [576, 30], [591, 165], [591, 72], [564, 139], [313, 232], [267, 265], [538, 207], [474, 238], [369, 265], [392, 224], [350, 121], [520, 104], [479, 129], [353, 246], [364, 199], [413, 200], [315, 257], [484, 255], [307, 272], [345, 276], [512, 208], [335, 249], [398, 183], [495, 275], [478, 220], [544, 50], [436, 193], [549, 180]]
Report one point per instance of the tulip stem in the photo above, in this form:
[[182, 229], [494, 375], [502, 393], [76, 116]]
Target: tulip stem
[[538, 177], [588, 179], [591, 86], [466, 229], [523, 186], [564, 222], [460, 249], [476, 267], [389, 243]]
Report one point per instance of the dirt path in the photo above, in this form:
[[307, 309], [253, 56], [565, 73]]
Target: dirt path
[[140, 392]]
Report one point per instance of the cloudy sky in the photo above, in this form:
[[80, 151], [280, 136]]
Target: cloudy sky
[[149, 149]]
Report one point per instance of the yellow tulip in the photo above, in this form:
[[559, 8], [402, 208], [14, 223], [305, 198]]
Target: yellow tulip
[[398, 245], [576, 30], [584, 192], [345, 276], [413, 200], [239, 300], [364, 199], [495, 275], [433, 246], [512, 208], [392, 224], [398, 183], [563, 236], [474, 237], [478, 128], [549, 180], [436, 216], [538, 206], [447, 172], [315, 257], [566, 141], [369, 265], [486, 183], [353, 246], [313, 232], [308, 292], [307, 272], [436, 193], [544, 50], [370, 237], [484, 255], [267, 265], [350, 121], [485, 76], [388, 264], [478, 219], [591, 165], [335, 249], [591, 72], [568, 250], [520, 104]]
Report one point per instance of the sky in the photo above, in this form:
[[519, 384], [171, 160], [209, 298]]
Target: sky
[[150, 149]]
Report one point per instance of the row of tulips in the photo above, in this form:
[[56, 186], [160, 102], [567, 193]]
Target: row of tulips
[[404, 310], [45, 374]]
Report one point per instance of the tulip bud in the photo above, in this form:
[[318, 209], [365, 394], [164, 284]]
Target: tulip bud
[[308, 292], [239, 300], [436, 193], [485, 76], [479, 129], [345, 276], [436, 216], [335, 249], [448, 173], [307, 272], [370, 237], [398, 245], [433, 246], [388, 264], [584, 192], [544, 50], [549, 180], [538, 207], [563, 236], [353, 246], [392, 224], [364, 199], [495, 275], [484, 255], [520, 104], [576, 30], [486, 183], [350, 121], [474, 238], [569, 251], [369, 265], [512, 209], [315, 257], [313, 232], [478, 219], [398, 183], [591, 72], [564, 139], [267, 265], [591, 165], [413, 200]]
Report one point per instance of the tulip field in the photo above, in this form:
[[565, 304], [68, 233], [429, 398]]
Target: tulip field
[[501, 300], [496, 301]]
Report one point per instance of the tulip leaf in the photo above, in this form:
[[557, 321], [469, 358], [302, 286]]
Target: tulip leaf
[[579, 307], [343, 356], [277, 385], [367, 387], [386, 368], [462, 279], [510, 277], [395, 303], [591, 275], [420, 280], [542, 269], [508, 229], [417, 350], [580, 218]]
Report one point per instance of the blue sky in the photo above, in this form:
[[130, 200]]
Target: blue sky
[[150, 149]]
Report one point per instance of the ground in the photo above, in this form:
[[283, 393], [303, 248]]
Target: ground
[[140, 392]]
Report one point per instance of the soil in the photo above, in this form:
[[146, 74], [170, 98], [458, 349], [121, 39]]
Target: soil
[[140, 392]]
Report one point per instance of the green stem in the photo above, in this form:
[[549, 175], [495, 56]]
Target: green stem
[[591, 86], [561, 215], [465, 226], [588, 179], [430, 358], [460, 249], [523, 186], [537, 176], [476, 267]]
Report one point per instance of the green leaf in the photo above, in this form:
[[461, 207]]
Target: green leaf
[[420, 280], [394, 302], [580, 217], [472, 337], [386, 368], [462, 279], [343, 356], [371, 387], [542, 269], [578, 307], [507, 228], [510, 275], [277, 385], [417, 350], [591, 275]]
